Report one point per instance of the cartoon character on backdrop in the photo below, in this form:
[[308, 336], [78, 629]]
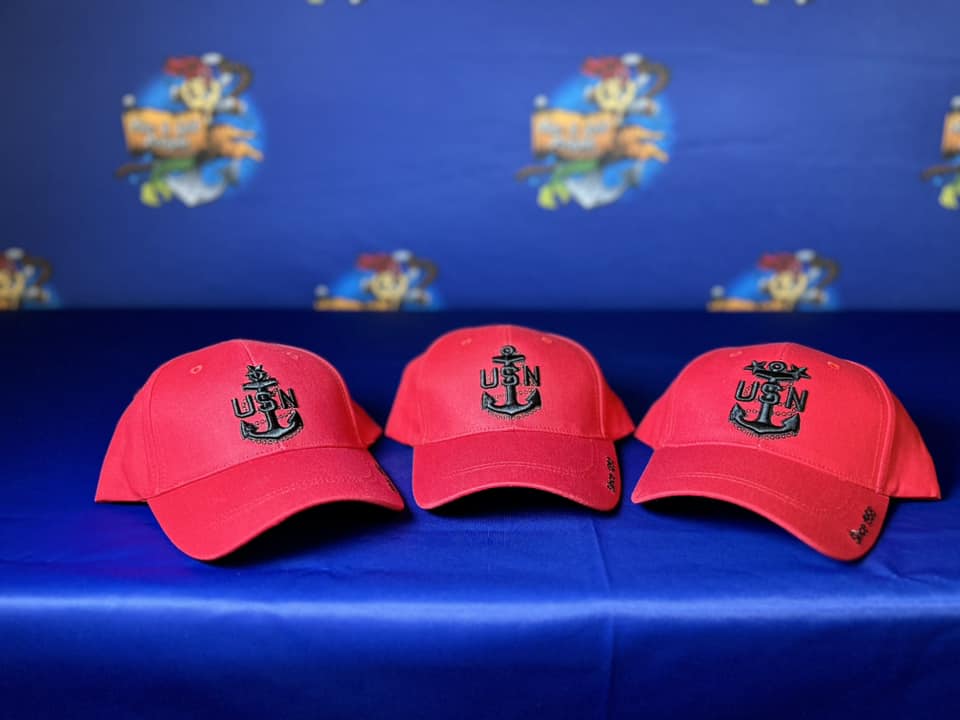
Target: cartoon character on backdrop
[[25, 282], [383, 282], [602, 133], [946, 176], [192, 131], [781, 282]]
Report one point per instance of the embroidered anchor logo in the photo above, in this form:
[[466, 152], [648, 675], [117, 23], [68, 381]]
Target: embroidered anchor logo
[[508, 375], [771, 395], [267, 394]]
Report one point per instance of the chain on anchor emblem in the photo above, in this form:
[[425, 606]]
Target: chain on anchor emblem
[[268, 398], [509, 365], [769, 394]]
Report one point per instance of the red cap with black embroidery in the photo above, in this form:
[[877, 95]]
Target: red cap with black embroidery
[[228, 441], [506, 406], [814, 443]]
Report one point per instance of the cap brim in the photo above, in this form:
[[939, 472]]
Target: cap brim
[[584, 470], [838, 518], [215, 515]]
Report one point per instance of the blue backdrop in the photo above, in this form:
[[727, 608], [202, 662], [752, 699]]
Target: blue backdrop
[[787, 139]]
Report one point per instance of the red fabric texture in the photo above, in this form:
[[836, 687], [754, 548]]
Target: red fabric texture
[[560, 446], [811, 504], [855, 445], [584, 470], [179, 446], [213, 516]]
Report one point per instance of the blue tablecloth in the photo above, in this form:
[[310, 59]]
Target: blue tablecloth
[[512, 604]]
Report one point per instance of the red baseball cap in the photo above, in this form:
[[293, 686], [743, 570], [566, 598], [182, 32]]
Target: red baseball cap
[[228, 441], [814, 443], [506, 406]]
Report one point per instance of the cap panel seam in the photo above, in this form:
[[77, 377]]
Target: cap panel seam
[[151, 452], [666, 429], [597, 378], [152, 446], [881, 457], [781, 353], [418, 372], [344, 392], [341, 383]]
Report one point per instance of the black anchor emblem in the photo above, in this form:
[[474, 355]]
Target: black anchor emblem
[[771, 393], [266, 391], [508, 375]]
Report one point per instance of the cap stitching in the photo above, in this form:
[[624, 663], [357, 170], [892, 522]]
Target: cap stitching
[[228, 466], [666, 430], [488, 431], [149, 451], [148, 420], [781, 353], [595, 368], [416, 394], [261, 499], [757, 486], [844, 477], [341, 383], [344, 392], [518, 463], [885, 445], [266, 449]]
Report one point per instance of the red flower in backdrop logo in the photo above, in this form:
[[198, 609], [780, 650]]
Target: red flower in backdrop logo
[[378, 262], [605, 68], [780, 262], [187, 67]]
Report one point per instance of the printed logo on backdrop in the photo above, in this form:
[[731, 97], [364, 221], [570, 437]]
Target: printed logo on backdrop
[[512, 386], [603, 134], [383, 282], [774, 389], [946, 175], [194, 132], [781, 282], [270, 401], [25, 282]]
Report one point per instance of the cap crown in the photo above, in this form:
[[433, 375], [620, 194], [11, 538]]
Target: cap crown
[[504, 378], [795, 402], [224, 405]]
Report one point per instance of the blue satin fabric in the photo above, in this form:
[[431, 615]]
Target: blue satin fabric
[[512, 604]]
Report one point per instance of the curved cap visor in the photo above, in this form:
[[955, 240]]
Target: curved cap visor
[[584, 470], [215, 515], [839, 519]]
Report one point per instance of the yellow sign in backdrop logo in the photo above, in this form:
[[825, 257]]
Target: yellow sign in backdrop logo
[[602, 133], [193, 132], [946, 175], [165, 134]]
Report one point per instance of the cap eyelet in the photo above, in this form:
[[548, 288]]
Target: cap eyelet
[[291, 354], [466, 341], [736, 353], [547, 340], [195, 369], [831, 364]]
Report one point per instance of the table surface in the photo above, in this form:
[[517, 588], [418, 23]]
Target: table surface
[[511, 603]]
